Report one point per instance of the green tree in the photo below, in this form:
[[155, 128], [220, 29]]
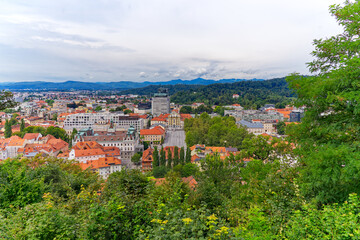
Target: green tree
[[220, 110], [176, 156], [50, 102], [186, 109], [57, 133], [13, 120], [127, 111], [169, 159], [22, 125], [182, 156], [280, 126], [7, 100], [159, 172], [329, 136], [162, 157], [8, 131], [136, 158], [98, 109], [189, 169], [54, 117], [146, 145], [156, 162], [188, 155]]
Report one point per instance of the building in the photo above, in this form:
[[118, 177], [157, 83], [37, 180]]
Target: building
[[256, 128], [127, 141], [143, 108], [91, 150], [174, 120], [147, 159], [160, 102], [153, 136], [31, 145], [86, 120], [296, 115], [103, 166]]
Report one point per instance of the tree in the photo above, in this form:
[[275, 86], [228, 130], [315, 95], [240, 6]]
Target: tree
[[57, 133], [7, 100], [182, 155], [146, 145], [73, 134], [22, 125], [54, 117], [8, 131], [50, 102], [189, 169], [169, 158], [155, 158], [328, 137], [162, 157], [136, 158], [280, 126], [188, 155], [186, 109], [159, 172], [127, 111], [176, 156], [98, 108], [219, 110]]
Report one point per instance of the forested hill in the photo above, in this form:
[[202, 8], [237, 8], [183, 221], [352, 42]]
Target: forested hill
[[253, 94], [149, 90]]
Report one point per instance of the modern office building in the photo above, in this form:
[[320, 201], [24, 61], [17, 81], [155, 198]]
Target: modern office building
[[160, 102]]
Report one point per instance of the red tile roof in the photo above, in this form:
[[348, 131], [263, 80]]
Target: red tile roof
[[153, 131], [100, 163], [31, 136]]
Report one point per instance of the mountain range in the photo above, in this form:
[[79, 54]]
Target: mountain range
[[123, 85]]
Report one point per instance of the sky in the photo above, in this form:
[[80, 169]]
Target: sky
[[159, 40]]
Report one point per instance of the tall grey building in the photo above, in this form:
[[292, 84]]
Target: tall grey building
[[160, 102]]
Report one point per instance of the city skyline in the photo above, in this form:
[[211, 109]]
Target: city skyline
[[159, 40]]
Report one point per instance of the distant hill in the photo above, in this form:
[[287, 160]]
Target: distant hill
[[253, 94], [121, 85]]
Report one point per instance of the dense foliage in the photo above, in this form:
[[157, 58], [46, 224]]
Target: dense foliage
[[303, 187], [217, 131], [253, 94]]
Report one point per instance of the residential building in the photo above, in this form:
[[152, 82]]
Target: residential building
[[147, 159], [103, 166], [153, 136], [127, 141], [85, 120], [256, 128], [91, 150]]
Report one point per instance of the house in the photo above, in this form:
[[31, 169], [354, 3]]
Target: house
[[147, 159], [256, 128], [32, 137], [153, 136], [103, 166], [91, 150], [14, 145]]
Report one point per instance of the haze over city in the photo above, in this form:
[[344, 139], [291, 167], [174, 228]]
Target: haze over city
[[159, 40]]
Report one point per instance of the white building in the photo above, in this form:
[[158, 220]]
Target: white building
[[86, 120]]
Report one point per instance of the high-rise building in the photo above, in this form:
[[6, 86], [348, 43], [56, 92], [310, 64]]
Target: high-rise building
[[160, 102]]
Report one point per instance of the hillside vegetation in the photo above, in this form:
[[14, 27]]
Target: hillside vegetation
[[253, 94]]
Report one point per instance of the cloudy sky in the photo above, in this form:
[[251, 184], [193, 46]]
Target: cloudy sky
[[159, 40]]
